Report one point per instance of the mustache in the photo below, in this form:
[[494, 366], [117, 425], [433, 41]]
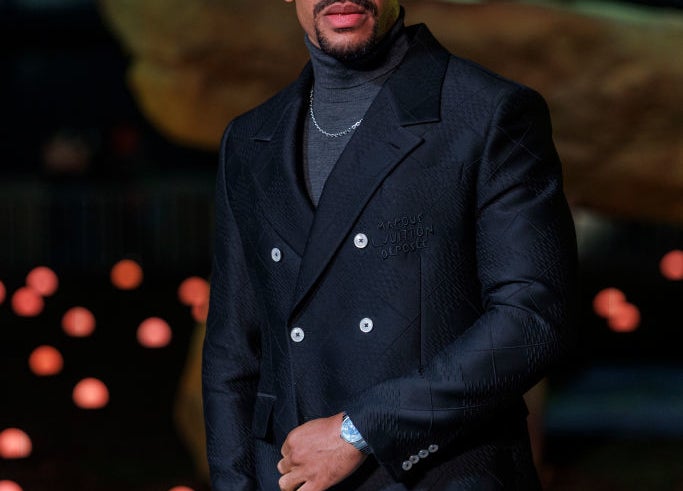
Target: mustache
[[365, 4]]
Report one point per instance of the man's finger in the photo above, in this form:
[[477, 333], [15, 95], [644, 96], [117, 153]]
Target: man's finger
[[307, 486], [290, 482], [284, 466], [285, 449]]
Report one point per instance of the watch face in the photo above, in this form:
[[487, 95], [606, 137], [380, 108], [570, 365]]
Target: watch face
[[349, 432]]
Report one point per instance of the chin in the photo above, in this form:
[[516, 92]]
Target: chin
[[346, 46]]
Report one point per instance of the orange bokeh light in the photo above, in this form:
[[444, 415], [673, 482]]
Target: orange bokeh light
[[91, 393], [126, 275], [154, 333], [194, 291], [43, 280], [15, 444], [671, 265], [176, 488], [78, 322], [626, 318], [26, 302], [45, 361], [200, 312], [9, 486], [3, 292], [607, 301]]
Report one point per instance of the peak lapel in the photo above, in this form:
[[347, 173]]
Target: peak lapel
[[283, 198], [410, 97]]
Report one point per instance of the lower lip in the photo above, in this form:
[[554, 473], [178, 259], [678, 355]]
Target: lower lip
[[345, 21]]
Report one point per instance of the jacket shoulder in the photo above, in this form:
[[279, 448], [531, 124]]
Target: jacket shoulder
[[470, 93], [474, 93]]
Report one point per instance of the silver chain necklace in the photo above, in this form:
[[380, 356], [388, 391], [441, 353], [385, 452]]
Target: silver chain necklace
[[331, 135]]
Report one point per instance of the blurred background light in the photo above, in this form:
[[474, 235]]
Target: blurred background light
[[200, 312], [624, 318], [671, 265], [176, 488], [91, 393], [46, 361], [194, 291], [3, 292], [26, 302], [154, 333], [607, 301], [78, 322], [9, 486], [14, 444], [126, 275], [43, 280]]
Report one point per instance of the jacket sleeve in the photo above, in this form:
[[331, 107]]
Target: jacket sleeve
[[230, 364], [526, 263]]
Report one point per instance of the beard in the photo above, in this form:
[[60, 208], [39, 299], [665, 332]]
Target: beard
[[348, 52]]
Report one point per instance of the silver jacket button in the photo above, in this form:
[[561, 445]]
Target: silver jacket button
[[276, 255], [360, 241], [407, 465], [366, 325], [423, 454], [433, 448], [297, 334], [414, 459]]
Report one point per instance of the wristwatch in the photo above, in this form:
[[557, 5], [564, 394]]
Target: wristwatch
[[350, 434]]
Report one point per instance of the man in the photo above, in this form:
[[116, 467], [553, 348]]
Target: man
[[393, 269]]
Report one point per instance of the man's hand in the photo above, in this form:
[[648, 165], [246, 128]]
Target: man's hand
[[314, 457]]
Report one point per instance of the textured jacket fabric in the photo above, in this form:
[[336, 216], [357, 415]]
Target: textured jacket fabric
[[431, 287]]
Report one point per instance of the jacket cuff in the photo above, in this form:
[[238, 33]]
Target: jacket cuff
[[397, 426]]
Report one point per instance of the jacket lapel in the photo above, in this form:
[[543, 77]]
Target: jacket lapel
[[390, 131], [283, 197]]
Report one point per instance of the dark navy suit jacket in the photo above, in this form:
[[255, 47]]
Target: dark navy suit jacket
[[443, 224]]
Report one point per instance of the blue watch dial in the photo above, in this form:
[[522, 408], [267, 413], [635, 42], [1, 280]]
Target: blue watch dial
[[349, 432]]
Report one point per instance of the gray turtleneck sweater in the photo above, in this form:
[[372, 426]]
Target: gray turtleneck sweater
[[342, 94]]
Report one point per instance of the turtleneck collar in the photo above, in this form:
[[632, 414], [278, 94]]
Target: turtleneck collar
[[331, 73]]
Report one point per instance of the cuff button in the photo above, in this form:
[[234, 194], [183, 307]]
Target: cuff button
[[407, 465], [423, 454], [433, 448]]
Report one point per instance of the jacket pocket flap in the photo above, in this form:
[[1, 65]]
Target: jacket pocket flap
[[263, 409]]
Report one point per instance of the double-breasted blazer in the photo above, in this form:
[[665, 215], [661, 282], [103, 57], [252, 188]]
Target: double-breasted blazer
[[429, 289]]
